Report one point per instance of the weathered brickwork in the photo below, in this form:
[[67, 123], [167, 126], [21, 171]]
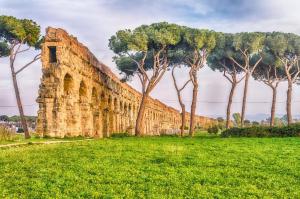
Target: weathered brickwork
[[80, 96]]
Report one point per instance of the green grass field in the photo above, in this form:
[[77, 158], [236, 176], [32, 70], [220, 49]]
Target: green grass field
[[157, 167]]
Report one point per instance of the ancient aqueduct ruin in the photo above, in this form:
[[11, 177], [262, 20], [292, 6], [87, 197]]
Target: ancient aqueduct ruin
[[80, 96]]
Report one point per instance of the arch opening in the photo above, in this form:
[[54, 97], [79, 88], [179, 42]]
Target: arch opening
[[68, 84]]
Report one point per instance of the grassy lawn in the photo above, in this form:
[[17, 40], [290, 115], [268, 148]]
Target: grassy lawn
[[157, 167], [19, 139]]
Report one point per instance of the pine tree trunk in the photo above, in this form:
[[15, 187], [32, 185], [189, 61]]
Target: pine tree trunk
[[288, 103], [182, 120], [19, 103], [182, 112], [193, 108], [273, 107], [228, 112], [139, 127], [182, 105], [245, 98]]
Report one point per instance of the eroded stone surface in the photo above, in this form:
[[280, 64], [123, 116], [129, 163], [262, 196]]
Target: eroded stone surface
[[80, 96]]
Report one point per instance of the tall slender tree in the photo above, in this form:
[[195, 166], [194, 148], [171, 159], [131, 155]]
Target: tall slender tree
[[271, 73], [218, 60], [197, 45], [245, 47], [19, 36], [141, 51], [286, 47], [179, 97]]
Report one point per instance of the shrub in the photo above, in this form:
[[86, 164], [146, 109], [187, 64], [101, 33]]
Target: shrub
[[221, 126], [35, 135], [120, 135], [169, 135], [213, 129], [262, 131], [6, 134], [20, 130], [197, 128], [255, 123]]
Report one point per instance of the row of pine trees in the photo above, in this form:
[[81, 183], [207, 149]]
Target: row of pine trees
[[148, 51]]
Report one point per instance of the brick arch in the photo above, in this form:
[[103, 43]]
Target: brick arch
[[130, 111], [125, 107], [124, 116], [95, 97], [121, 106], [84, 109], [111, 115], [102, 95], [69, 105], [110, 103], [115, 104], [116, 115], [103, 100], [83, 90], [68, 84], [96, 119]]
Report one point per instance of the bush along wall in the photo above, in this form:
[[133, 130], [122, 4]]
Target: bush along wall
[[260, 131]]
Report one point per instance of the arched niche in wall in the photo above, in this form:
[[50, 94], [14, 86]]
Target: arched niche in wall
[[68, 92], [68, 84], [82, 91], [84, 109], [95, 113]]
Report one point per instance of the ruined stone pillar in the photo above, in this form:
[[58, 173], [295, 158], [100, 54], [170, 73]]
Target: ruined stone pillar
[[105, 122]]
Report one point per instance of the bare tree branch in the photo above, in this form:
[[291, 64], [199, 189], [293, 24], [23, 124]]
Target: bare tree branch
[[24, 50], [174, 79], [239, 65], [186, 83], [255, 65], [141, 68], [228, 78], [241, 79], [37, 57]]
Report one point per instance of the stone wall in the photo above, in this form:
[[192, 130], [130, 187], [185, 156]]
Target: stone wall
[[80, 96]]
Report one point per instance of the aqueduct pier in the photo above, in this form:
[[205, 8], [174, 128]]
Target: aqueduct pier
[[80, 96]]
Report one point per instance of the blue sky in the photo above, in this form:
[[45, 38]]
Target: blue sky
[[94, 21]]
